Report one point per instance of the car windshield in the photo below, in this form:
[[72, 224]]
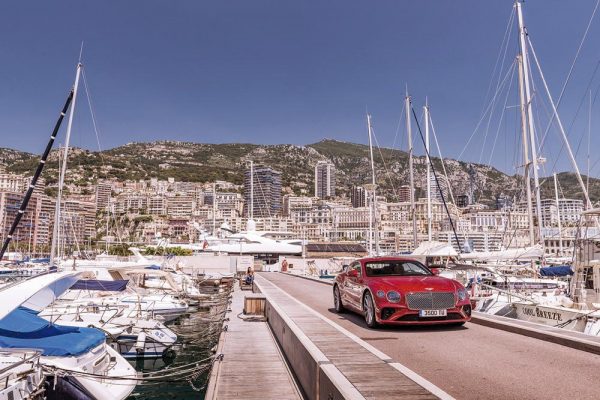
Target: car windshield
[[396, 268]]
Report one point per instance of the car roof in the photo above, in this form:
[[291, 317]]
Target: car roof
[[387, 258]]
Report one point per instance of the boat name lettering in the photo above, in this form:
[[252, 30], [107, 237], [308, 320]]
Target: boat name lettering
[[536, 312]]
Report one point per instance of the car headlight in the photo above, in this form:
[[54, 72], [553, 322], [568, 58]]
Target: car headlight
[[393, 296], [380, 294], [462, 294]]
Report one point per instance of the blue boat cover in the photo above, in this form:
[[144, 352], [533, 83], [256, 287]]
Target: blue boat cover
[[95, 284], [22, 328], [562, 270], [155, 267]]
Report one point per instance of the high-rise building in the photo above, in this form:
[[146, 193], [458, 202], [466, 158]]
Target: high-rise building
[[103, 193], [462, 200], [324, 179], [404, 194], [33, 228], [265, 192], [358, 196]]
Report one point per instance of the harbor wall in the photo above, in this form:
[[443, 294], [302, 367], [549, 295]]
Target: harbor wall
[[200, 264], [315, 374]]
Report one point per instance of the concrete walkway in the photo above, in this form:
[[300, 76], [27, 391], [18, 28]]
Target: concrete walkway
[[370, 373]]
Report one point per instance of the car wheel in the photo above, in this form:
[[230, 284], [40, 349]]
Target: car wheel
[[337, 300], [369, 308]]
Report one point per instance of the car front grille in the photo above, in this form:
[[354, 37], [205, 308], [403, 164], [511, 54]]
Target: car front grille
[[430, 301]]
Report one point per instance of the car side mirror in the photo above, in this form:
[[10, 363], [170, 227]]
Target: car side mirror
[[345, 268], [353, 273], [435, 271]]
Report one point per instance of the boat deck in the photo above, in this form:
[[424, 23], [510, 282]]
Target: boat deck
[[252, 366]]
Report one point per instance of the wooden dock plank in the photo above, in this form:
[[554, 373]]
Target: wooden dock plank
[[252, 367]]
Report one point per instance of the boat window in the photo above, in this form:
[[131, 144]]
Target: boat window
[[588, 276], [396, 268]]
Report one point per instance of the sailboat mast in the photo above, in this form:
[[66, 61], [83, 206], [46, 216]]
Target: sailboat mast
[[560, 243], [214, 211], [410, 170], [526, 163], [372, 205], [251, 213], [63, 170], [530, 125], [426, 113]]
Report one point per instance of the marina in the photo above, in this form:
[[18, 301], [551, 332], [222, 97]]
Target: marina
[[365, 266]]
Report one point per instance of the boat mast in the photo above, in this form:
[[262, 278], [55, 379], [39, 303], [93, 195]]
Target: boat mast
[[526, 162], [63, 170], [560, 243], [373, 205], [426, 113], [251, 213], [214, 211], [530, 124], [36, 176], [413, 213]]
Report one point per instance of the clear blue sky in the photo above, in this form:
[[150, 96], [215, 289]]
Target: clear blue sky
[[279, 71]]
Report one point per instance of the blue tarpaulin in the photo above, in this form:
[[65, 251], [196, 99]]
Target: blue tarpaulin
[[155, 267], [95, 284], [562, 270], [22, 328]]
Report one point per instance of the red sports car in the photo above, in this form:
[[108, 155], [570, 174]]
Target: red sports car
[[395, 290]]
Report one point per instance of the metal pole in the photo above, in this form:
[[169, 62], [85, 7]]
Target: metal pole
[[251, 189], [560, 244], [410, 170], [214, 209], [531, 129], [525, 152], [61, 180], [426, 113]]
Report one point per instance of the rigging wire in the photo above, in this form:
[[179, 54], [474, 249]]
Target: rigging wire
[[504, 44], [481, 119], [502, 114], [436, 180], [384, 163], [437, 145], [562, 91]]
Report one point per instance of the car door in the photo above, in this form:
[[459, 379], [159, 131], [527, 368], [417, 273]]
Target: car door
[[352, 285]]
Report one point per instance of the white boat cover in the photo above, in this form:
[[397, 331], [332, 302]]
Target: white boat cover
[[434, 249], [522, 254]]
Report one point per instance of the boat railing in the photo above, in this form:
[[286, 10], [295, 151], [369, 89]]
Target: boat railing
[[29, 355], [509, 293]]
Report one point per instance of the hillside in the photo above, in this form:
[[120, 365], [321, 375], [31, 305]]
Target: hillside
[[198, 162]]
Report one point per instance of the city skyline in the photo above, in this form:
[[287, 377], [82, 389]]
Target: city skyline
[[284, 84]]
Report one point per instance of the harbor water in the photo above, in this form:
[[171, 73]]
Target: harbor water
[[198, 333]]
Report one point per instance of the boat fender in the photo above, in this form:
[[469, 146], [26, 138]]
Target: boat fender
[[140, 343]]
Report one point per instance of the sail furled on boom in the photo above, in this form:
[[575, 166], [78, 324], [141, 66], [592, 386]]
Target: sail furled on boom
[[36, 176]]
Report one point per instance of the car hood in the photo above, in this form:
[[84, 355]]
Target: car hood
[[418, 283]]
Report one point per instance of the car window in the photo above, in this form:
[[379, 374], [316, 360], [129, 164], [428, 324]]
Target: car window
[[356, 266], [396, 268]]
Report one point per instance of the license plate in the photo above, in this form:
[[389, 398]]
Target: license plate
[[432, 313]]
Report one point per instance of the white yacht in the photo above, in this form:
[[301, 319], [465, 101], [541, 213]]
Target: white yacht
[[78, 358], [131, 333]]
